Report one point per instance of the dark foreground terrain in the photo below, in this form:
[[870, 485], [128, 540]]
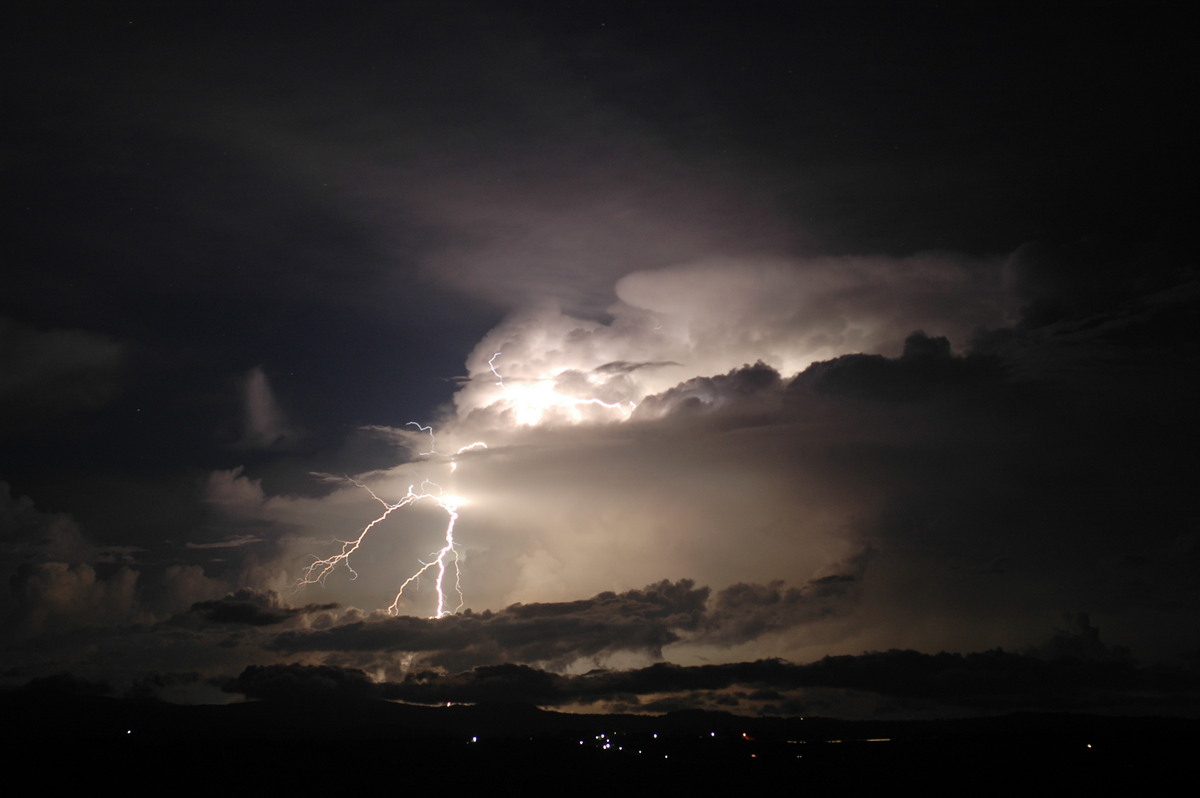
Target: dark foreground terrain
[[368, 746]]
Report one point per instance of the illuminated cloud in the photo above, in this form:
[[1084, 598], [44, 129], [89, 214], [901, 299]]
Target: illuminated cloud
[[829, 489], [710, 317], [265, 425]]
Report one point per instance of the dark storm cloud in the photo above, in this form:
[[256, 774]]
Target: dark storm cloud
[[29, 534], [58, 582], [744, 612], [739, 388], [65, 684], [985, 681], [253, 608], [45, 373], [52, 580], [925, 370], [638, 620], [1043, 446], [1056, 281], [302, 682]]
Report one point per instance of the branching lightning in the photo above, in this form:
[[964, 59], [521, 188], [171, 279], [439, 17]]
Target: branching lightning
[[530, 401], [445, 558]]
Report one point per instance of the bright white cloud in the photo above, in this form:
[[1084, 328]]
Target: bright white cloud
[[707, 318]]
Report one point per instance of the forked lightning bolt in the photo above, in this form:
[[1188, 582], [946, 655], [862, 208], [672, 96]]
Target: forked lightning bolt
[[530, 404], [443, 559]]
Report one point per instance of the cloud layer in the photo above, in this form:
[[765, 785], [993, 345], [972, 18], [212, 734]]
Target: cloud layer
[[790, 335]]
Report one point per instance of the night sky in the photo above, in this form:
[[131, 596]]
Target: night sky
[[830, 357]]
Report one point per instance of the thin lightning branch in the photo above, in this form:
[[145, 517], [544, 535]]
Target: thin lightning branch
[[492, 366], [467, 448], [424, 428], [531, 406]]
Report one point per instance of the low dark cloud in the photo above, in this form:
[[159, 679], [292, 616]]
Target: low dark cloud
[[642, 621], [555, 635], [253, 608], [744, 612], [302, 683], [978, 682]]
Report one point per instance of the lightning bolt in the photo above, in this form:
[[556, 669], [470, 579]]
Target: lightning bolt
[[450, 504], [531, 401], [443, 560]]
